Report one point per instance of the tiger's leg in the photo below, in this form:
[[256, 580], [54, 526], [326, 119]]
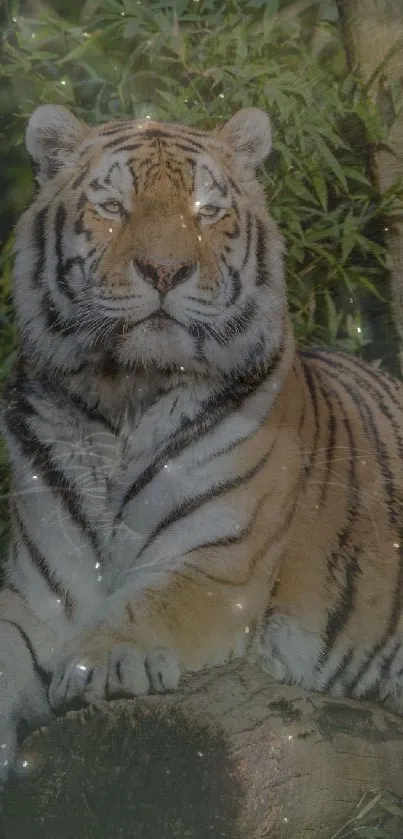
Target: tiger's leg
[[161, 633], [295, 655], [289, 652], [55, 557], [25, 646], [148, 638]]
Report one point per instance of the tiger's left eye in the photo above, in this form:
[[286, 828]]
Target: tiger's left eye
[[208, 211], [112, 207]]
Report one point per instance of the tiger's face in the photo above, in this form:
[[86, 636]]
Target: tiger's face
[[152, 241]]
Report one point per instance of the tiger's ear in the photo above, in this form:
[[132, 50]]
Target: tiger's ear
[[52, 136], [249, 134]]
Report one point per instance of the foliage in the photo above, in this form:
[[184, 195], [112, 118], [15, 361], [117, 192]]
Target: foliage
[[378, 816]]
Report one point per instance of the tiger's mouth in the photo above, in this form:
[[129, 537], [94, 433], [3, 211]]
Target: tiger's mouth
[[157, 320]]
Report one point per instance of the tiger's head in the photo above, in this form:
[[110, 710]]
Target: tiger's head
[[150, 241]]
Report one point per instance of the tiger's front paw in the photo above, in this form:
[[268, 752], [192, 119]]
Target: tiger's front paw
[[123, 670]]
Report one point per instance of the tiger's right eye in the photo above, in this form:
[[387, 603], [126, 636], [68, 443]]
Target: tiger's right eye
[[112, 206]]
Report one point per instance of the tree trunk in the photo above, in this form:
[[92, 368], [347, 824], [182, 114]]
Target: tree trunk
[[233, 755], [374, 35]]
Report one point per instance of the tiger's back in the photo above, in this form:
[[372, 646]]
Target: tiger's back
[[334, 621]]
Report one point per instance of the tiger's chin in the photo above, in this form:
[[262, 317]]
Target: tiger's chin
[[159, 343]]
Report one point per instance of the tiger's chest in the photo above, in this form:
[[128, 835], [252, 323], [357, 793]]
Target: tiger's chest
[[138, 484]]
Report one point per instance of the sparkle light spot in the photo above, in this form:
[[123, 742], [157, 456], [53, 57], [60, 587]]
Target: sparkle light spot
[[199, 238], [396, 544], [290, 736], [82, 667], [97, 565], [199, 754], [25, 764], [63, 82], [221, 95], [110, 229], [386, 229], [14, 19], [182, 368], [285, 819], [34, 477], [148, 116], [359, 329], [239, 605], [58, 601], [86, 34]]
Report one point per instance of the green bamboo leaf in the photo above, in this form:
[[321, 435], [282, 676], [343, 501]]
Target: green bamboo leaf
[[298, 188], [356, 175], [331, 160], [369, 806], [333, 317], [371, 287], [320, 189]]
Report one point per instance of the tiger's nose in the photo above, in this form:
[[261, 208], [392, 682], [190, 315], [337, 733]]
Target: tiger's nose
[[164, 277]]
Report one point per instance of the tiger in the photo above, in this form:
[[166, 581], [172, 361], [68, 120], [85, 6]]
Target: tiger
[[187, 487]]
